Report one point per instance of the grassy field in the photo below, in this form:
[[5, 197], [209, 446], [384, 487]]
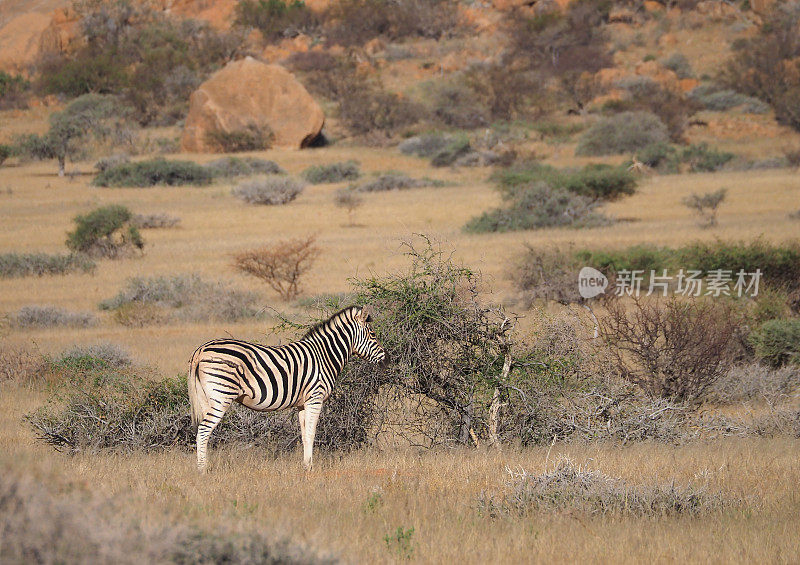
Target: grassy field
[[348, 506]]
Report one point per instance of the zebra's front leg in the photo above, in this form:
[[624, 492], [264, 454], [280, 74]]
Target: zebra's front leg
[[301, 417], [311, 416]]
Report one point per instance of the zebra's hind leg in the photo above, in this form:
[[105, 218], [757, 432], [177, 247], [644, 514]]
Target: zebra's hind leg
[[210, 420]]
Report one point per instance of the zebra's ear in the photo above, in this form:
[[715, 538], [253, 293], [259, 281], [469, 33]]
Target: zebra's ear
[[365, 314]]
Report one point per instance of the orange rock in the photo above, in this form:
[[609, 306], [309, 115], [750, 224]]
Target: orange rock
[[63, 29], [20, 41], [373, 46], [688, 84], [251, 93], [668, 40], [717, 10], [652, 6]]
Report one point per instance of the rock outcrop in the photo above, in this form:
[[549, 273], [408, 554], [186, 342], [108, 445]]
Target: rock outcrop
[[251, 94]]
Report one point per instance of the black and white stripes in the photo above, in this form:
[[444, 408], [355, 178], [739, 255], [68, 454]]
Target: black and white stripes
[[299, 374]]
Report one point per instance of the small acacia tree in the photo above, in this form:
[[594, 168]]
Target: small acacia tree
[[105, 232], [281, 265], [444, 346], [348, 199], [87, 115], [705, 205]]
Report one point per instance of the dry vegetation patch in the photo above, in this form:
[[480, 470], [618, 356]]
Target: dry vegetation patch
[[574, 487]]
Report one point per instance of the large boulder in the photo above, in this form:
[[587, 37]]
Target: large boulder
[[247, 94]]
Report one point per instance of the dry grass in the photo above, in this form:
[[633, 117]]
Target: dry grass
[[352, 502], [38, 214]]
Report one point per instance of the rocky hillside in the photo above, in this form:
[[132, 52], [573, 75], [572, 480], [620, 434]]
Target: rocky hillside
[[385, 71]]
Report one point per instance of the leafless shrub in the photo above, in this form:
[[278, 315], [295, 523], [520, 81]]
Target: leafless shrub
[[271, 190], [705, 205], [670, 348], [348, 199], [155, 221], [570, 486], [546, 274], [22, 364], [36, 316], [281, 265]]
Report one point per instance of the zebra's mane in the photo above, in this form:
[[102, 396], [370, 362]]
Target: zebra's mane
[[317, 327]]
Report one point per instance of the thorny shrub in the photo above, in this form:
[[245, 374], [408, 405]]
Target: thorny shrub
[[333, 172], [37, 316], [671, 348], [227, 167], [281, 265]]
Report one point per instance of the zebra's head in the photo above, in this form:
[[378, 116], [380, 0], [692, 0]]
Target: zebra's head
[[366, 345]]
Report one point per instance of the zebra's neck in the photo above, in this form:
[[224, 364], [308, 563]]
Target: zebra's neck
[[335, 337]]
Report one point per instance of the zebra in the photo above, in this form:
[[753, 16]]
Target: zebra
[[299, 374]]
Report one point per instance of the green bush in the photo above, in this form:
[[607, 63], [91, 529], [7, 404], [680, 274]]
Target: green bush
[[452, 152], [105, 232], [250, 138], [334, 172], [540, 206], [13, 91], [13, 265], [779, 263], [153, 172], [701, 158], [777, 342], [660, 156], [5, 152], [596, 181], [679, 64], [275, 18], [626, 132]]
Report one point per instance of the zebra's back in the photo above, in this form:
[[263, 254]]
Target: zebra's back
[[258, 376]]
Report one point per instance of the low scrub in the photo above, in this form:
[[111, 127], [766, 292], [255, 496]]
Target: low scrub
[[271, 191], [574, 488], [92, 357], [757, 382], [153, 172], [250, 138], [228, 167], [334, 172], [718, 99], [425, 146], [597, 181], [539, 206], [777, 342], [147, 300], [14, 265], [154, 221], [36, 316], [394, 181], [626, 132]]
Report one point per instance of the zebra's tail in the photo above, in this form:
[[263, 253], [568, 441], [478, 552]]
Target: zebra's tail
[[197, 394]]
